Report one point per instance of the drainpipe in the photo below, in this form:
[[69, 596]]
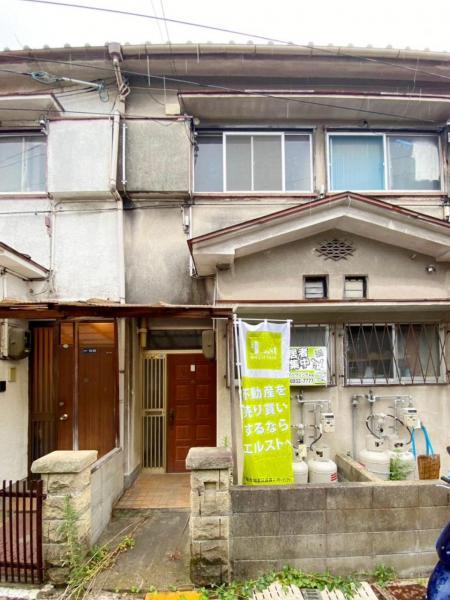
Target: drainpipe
[[118, 198]]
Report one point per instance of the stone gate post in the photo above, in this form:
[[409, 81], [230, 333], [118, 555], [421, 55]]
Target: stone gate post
[[66, 474], [210, 514]]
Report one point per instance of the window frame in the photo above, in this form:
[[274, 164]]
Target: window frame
[[325, 287], [253, 133], [442, 379], [365, 279], [330, 344], [27, 134], [384, 135]]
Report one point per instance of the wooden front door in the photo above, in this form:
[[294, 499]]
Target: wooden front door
[[73, 387], [191, 403]]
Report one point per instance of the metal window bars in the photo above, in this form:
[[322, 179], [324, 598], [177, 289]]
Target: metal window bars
[[395, 353]]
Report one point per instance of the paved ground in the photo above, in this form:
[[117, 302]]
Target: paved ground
[[160, 557], [165, 490]]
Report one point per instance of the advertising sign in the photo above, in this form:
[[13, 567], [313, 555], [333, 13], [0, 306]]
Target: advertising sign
[[265, 403], [308, 365]]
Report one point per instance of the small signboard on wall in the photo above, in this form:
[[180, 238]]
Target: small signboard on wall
[[308, 365]]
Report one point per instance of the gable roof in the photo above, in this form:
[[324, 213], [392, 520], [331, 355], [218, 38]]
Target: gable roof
[[347, 211]]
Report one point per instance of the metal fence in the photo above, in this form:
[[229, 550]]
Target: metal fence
[[21, 558]]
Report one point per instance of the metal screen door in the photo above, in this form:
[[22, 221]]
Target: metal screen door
[[154, 408]]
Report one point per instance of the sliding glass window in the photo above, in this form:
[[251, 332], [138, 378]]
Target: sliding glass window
[[253, 162], [384, 161]]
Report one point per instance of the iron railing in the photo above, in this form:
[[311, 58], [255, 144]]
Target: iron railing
[[21, 558]]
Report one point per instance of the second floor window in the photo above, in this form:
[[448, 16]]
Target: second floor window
[[22, 163], [383, 161], [253, 162]]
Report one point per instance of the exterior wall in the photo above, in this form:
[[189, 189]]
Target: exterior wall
[[392, 274], [158, 156], [72, 148], [339, 528], [14, 421], [106, 487], [86, 251], [431, 402]]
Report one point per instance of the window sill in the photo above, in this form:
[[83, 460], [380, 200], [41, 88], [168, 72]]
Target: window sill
[[395, 193], [391, 384], [226, 195], [22, 195]]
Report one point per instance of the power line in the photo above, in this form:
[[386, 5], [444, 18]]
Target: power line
[[328, 51], [226, 88]]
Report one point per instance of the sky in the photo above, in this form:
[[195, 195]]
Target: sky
[[416, 24]]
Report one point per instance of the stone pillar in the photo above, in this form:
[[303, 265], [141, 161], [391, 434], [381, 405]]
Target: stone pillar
[[210, 514], [66, 474]]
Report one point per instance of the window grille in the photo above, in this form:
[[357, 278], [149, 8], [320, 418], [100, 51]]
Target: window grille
[[411, 353]]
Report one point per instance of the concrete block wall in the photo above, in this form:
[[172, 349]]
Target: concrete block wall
[[343, 528], [107, 476]]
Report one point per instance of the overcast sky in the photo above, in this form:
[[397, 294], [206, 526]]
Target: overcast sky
[[418, 24]]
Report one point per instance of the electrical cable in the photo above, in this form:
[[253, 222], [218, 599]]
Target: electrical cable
[[315, 441], [328, 51], [370, 430], [212, 86], [402, 423], [242, 92]]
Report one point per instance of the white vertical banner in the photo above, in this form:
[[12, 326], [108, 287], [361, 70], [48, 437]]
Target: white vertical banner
[[263, 351]]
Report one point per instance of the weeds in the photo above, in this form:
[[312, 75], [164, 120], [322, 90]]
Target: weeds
[[85, 565], [289, 576], [383, 575]]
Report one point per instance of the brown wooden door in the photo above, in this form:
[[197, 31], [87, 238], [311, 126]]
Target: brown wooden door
[[191, 406], [97, 368], [43, 423], [65, 390]]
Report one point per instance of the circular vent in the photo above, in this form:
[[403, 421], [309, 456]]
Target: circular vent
[[335, 249]]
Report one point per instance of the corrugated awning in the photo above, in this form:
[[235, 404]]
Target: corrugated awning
[[54, 309]]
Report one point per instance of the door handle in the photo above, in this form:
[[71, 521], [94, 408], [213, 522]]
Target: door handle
[[171, 417], [64, 417]]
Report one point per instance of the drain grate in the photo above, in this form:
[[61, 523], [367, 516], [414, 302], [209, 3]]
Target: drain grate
[[311, 594]]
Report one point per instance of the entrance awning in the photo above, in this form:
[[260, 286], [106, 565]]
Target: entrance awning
[[53, 309], [350, 212]]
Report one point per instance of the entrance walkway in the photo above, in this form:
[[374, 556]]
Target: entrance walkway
[[165, 490]]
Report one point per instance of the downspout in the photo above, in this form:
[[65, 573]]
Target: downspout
[[115, 193]]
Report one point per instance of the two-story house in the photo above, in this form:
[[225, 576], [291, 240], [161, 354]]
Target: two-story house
[[180, 186]]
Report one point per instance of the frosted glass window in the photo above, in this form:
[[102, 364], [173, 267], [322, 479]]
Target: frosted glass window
[[208, 164], [239, 162], [297, 156], [267, 169], [22, 164], [357, 162], [413, 162]]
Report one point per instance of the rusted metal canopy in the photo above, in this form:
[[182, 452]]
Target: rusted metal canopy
[[53, 309]]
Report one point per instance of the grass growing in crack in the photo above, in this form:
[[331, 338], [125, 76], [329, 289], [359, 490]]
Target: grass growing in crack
[[383, 575], [85, 565]]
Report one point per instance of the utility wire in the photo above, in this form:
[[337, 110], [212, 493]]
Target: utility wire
[[329, 51], [228, 89]]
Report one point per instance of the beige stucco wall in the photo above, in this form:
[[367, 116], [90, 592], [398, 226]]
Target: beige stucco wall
[[277, 274]]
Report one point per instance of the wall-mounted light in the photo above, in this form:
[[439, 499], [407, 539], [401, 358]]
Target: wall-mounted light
[[430, 269]]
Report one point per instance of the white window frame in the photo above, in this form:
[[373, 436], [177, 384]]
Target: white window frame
[[396, 380], [282, 135], [385, 135], [23, 135]]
